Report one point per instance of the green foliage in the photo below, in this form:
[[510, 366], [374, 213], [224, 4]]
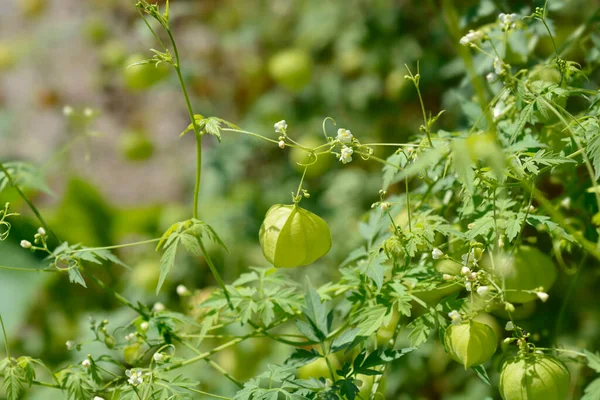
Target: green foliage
[[514, 165]]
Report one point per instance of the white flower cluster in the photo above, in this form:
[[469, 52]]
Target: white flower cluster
[[471, 38], [508, 21], [344, 137]]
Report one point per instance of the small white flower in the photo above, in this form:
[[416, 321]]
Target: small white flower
[[344, 136], [130, 337], [483, 290], [346, 155], [436, 254], [455, 317], [507, 21], [88, 112], [68, 111], [26, 244], [510, 326], [145, 326], [385, 206], [471, 226], [158, 357], [158, 307], [566, 203], [281, 144], [498, 110], [70, 344], [472, 276], [281, 126], [465, 271], [86, 363], [498, 66], [41, 231], [501, 242], [447, 277], [468, 286], [531, 208], [491, 77], [182, 290], [136, 376], [543, 296], [98, 398]]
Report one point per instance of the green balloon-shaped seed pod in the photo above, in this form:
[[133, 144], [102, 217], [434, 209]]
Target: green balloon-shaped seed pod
[[291, 236], [534, 377], [528, 269], [470, 343]]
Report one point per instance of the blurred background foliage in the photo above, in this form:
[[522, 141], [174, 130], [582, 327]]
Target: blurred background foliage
[[116, 171]]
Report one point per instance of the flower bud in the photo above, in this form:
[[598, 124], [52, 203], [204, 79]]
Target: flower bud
[[86, 363], [483, 290], [470, 343], [510, 326], [281, 144], [144, 326], [182, 290], [26, 244], [41, 231], [543, 296], [534, 376], [437, 254]]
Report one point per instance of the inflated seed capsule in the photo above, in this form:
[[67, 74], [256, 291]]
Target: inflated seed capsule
[[291, 236], [470, 343], [533, 377]]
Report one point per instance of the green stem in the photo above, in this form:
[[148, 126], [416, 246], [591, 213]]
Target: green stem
[[117, 246], [215, 273], [29, 203], [118, 296], [193, 122], [5, 341], [213, 364], [28, 269]]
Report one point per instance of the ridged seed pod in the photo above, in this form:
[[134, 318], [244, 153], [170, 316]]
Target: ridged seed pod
[[291, 236], [470, 343], [534, 377]]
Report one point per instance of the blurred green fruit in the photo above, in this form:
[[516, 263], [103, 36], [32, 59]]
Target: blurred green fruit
[[145, 275], [291, 68], [138, 77], [7, 56], [136, 146], [386, 331], [298, 155], [32, 8], [95, 30], [113, 53], [318, 368], [529, 269]]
